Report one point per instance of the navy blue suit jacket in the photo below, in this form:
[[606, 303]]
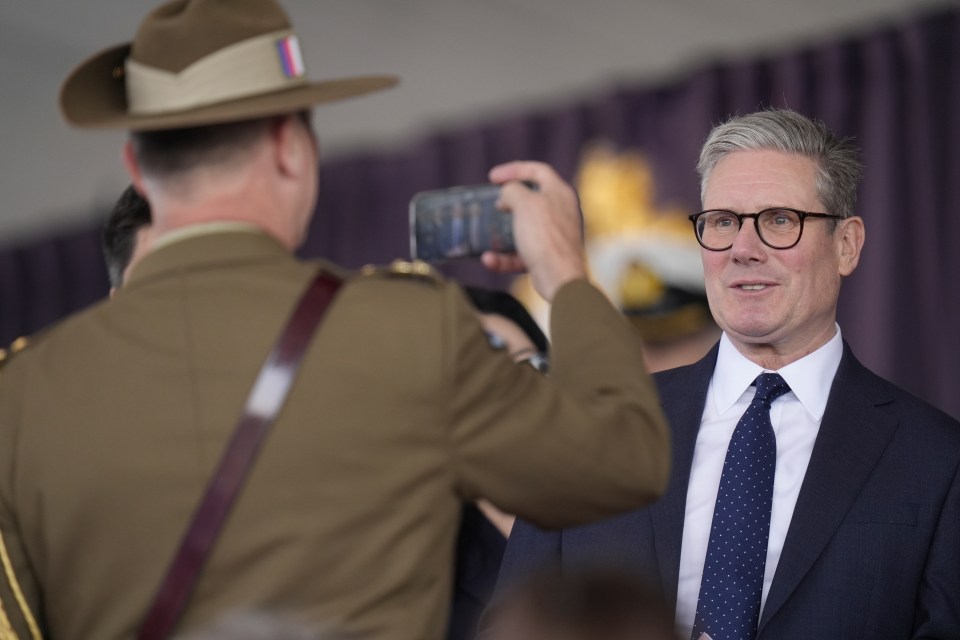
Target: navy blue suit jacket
[[480, 547], [873, 548]]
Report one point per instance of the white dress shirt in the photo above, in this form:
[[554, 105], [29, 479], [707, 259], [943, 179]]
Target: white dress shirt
[[796, 420]]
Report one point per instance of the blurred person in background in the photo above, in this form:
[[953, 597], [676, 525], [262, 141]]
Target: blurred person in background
[[657, 282], [126, 236], [578, 605]]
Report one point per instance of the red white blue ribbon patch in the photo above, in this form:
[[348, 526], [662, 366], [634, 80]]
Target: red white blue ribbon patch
[[290, 56]]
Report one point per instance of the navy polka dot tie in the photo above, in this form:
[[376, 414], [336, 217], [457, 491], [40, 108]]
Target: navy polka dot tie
[[729, 603]]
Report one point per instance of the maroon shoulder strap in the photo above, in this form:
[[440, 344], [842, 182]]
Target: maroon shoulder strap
[[266, 398]]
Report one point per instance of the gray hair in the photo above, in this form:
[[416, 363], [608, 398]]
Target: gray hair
[[838, 159]]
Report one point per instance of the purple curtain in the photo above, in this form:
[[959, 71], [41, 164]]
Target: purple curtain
[[897, 91]]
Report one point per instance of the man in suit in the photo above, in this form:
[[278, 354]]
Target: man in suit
[[112, 423], [848, 527]]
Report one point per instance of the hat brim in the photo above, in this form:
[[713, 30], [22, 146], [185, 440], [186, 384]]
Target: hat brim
[[94, 96]]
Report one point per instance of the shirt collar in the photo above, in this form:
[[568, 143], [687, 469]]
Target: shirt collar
[[810, 377]]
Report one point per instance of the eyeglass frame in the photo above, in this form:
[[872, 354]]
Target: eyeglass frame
[[803, 215]]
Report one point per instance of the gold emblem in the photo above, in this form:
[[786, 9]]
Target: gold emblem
[[18, 345], [404, 268]]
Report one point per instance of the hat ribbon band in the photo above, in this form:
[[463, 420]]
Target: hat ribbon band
[[264, 64]]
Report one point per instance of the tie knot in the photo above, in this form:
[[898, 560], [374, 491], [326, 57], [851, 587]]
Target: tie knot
[[770, 386]]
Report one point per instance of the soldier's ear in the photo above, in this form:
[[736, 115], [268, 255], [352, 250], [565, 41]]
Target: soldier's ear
[[129, 157], [293, 145]]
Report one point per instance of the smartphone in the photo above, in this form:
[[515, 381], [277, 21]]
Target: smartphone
[[461, 222]]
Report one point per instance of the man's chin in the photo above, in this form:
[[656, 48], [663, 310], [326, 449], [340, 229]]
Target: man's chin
[[754, 331]]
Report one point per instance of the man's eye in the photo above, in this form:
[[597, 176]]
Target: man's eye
[[724, 222], [782, 219]]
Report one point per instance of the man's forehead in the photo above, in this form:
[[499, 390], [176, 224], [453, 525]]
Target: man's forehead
[[762, 178]]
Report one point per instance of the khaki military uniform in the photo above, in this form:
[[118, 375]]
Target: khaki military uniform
[[111, 424]]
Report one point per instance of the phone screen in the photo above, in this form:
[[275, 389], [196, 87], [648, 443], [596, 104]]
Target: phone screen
[[461, 222]]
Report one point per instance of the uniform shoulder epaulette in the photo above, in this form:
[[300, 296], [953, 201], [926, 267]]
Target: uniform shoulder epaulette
[[418, 269], [15, 347]]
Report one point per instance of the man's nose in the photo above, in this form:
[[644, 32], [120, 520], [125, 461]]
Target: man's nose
[[747, 245]]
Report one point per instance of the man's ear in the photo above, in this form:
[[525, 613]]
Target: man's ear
[[850, 235], [292, 144], [129, 157]]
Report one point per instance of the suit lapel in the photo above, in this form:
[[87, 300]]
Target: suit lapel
[[683, 393], [853, 436]]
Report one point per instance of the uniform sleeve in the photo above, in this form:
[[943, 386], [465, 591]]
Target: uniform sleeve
[[586, 443], [19, 593]]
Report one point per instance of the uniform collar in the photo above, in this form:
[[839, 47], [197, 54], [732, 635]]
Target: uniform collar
[[203, 229], [218, 249], [810, 377]]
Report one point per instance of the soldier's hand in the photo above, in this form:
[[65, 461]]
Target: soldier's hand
[[547, 227]]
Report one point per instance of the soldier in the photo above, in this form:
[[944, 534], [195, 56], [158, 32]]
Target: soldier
[[112, 424]]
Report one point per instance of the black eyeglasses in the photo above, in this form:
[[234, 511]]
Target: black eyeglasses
[[778, 228]]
